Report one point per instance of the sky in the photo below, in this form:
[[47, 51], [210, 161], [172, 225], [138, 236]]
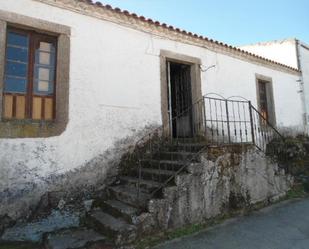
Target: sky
[[236, 22]]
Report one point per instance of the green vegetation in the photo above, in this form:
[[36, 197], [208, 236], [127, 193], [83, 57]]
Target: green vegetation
[[155, 239], [19, 245], [298, 191]]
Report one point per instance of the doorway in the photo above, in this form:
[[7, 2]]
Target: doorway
[[179, 99]]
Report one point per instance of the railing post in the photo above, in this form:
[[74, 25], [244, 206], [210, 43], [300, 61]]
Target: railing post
[[204, 116], [251, 122], [228, 121]]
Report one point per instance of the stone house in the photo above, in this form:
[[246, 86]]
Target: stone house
[[82, 82]]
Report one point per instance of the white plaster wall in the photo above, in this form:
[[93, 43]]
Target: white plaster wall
[[304, 64], [283, 51], [115, 92], [232, 77]]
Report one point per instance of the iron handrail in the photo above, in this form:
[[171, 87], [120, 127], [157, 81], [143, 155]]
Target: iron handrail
[[266, 121], [187, 163], [151, 134], [262, 132]]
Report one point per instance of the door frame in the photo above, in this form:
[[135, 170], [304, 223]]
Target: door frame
[[269, 95], [195, 74]]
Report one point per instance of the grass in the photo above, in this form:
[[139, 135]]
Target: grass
[[155, 239], [19, 245], [298, 191]]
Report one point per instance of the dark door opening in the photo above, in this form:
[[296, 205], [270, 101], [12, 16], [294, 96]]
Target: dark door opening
[[180, 99], [263, 99]]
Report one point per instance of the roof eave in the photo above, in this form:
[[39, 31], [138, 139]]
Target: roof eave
[[132, 20]]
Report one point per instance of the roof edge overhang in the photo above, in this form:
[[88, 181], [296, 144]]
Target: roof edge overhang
[[132, 20]]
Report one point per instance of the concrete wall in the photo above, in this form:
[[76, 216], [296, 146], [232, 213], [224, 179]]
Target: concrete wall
[[114, 94]]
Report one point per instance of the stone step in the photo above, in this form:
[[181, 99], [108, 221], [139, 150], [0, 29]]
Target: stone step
[[120, 210], [116, 228], [174, 156], [145, 184], [186, 147], [156, 174], [163, 164], [189, 140], [74, 239], [130, 195]]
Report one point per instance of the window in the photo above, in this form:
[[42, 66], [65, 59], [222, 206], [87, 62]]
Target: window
[[29, 76], [265, 99], [35, 76]]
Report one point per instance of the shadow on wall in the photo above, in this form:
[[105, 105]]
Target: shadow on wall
[[291, 131], [37, 197]]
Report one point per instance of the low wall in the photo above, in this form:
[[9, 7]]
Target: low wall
[[233, 180]]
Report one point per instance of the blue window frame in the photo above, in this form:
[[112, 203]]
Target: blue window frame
[[44, 69], [16, 63]]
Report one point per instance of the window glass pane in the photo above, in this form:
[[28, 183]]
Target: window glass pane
[[44, 69], [44, 46], [17, 39], [17, 85], [43, 86], [44, 73], [17, 54], [16, 69], [44, 58]]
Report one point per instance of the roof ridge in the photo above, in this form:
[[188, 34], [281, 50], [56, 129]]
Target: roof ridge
[[175, 29], [268, 42]]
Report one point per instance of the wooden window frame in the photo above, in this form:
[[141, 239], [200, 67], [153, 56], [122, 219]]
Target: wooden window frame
[[29, 95], [27, 128]]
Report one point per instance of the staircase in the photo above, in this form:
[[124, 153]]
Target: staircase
[[157, 160], [114, 221]]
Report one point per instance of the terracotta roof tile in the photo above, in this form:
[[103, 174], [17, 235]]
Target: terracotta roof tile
[[164, 25]]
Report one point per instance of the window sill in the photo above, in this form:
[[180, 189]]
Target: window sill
[[27, 121], [10, 128]]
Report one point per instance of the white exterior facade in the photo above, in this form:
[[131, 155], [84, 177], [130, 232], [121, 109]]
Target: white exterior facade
[[290, 52], [114, 94], [303, 58]]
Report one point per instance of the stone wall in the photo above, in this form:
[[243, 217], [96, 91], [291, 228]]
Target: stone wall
[[232, 181]]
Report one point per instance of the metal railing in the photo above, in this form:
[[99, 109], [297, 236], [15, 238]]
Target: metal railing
[[227, 121], [186, 126], [235, 122], [209, 121]]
